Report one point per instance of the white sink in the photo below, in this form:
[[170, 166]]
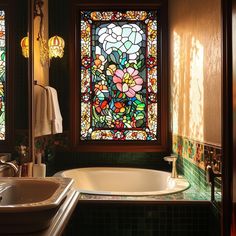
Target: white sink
[[28, 204]]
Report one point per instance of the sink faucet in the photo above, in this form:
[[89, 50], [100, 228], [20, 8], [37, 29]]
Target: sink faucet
[[11, 164], [172, 159]]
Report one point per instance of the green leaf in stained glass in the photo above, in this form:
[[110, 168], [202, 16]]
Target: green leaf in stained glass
[[139, 123], [139, 97], [141, 107], [140, 116], [95, 116], [3, 56], [128, 125]]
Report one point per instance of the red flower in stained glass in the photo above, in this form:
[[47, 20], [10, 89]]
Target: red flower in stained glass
[[151, 62], [86, 62]]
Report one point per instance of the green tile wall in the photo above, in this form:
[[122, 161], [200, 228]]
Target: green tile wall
[[193, 157], [193, 173], [68, 160], [142, 220]]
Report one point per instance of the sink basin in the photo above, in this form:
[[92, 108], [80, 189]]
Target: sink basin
[[28, 204]]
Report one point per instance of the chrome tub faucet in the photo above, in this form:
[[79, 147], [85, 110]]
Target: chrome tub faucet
[[172, 159]]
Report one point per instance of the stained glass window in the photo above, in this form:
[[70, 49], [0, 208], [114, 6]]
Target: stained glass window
[[119, 75], [2, 74]]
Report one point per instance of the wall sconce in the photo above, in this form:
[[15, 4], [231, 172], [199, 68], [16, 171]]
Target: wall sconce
[[53, 48], [25, 46], [56, 46]]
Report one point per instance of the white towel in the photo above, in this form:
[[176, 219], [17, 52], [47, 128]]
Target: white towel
[[42, 123], [54, 113]]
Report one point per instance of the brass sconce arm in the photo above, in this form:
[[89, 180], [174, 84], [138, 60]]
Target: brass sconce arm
[[38, 11]]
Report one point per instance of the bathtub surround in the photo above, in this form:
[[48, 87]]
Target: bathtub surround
[[159, 219], [184, 213], [193, 157]]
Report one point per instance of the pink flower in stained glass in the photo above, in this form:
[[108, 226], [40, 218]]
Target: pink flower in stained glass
[[128, 81]]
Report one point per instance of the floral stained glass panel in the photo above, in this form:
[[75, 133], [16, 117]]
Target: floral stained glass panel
[[2, 74], [119, 75]]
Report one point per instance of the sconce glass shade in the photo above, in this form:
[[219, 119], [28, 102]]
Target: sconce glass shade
[[25, 46], [56, 46]]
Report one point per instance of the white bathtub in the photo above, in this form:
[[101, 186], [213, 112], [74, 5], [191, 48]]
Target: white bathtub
[[124, 181]]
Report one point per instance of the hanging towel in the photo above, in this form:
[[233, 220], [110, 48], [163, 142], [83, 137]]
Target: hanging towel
[[42, 121], [54, 113]]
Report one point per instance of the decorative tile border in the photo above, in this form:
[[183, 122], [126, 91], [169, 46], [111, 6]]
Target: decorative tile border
[[198, 153], [193, 157]]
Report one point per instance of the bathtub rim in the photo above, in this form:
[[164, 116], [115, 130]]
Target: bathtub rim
[[181, 181]]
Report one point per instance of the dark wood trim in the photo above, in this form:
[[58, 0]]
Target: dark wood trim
[[73, 83], [114, 4], [227, 134], [30, 81], [233, 186], [162, 145]]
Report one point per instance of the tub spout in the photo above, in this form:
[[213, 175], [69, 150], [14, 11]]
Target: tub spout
[[174, 169]]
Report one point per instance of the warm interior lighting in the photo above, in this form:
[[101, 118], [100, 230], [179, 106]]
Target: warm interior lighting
[[187, 87], [56, 46], [176, 101], [196, 90], [25, 46]]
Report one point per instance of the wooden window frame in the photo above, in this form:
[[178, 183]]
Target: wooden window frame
[[163, 144]]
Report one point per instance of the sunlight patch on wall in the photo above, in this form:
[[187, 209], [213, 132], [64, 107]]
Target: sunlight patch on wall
[[176, 82], [187, 87], [195, 69], [196, 96]]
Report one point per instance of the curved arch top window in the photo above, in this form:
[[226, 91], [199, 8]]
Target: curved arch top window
[[119, 75], [2, 75]]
